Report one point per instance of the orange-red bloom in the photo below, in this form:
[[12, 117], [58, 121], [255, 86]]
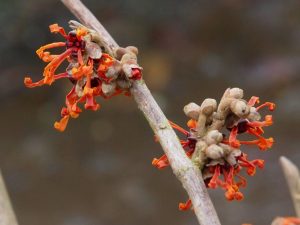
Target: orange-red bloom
[[188, 145], [254, 128], [226, 172], [86, 73]]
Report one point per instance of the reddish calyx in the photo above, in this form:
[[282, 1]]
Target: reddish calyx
[[185, 206]]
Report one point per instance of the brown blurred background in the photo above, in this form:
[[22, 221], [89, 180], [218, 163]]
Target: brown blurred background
[[98, 172]]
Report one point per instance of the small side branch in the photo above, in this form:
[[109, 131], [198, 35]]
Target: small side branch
[[292, 176], [7, 216], [186, 172]]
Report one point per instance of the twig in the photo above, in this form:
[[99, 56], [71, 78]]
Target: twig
[[7, 216], [185, 171], [292, 176]]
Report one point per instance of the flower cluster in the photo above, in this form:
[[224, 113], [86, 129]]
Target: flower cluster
[[91, 71], [213, 145]]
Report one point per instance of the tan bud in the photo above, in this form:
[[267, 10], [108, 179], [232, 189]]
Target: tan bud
[[254, 115], [208, 106], [231, 157], [93, 50], [213, 137], [108, 89], [114, 70], [236, 93], [192, 110], [119, 52], [240, 108], [127, 70], [129, 58], [133, 49], [214, 152], [123, 84]]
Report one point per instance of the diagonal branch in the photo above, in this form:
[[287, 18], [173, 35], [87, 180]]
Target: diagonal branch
[[185, 171]]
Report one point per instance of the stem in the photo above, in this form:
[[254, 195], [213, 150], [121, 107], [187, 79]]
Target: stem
[[189, 175], [292, 176], [7, 216]]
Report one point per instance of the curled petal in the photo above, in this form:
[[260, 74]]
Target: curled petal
[[265, 144], [242, 182], [53, 65], [233, 142], [54, 28], [214, 180], [267, 122], [91, 103], [230, 193], [233, 193], [45, 56], [250, 165], [270, 105], [239, 196], [161, 163], [185, 206], [62, 124], [28, 83], [81, 31], [259, 163], [262, 143], [253, 100]]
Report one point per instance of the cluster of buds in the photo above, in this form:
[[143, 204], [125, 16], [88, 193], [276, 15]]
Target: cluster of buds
[[91, 70], [212, 140]]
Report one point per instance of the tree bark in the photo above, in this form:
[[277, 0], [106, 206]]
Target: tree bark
[[189, 175]]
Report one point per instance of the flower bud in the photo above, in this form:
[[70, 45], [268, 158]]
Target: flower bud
[[208, 106], [240, 108], [108, 89], [192, 110], [214, 137], [214, 152], [236, 93]]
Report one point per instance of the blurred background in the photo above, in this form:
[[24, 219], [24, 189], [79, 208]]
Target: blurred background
[[99, 172]]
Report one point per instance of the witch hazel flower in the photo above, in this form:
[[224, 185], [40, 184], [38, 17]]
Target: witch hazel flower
[[91, 70], [212, 143]]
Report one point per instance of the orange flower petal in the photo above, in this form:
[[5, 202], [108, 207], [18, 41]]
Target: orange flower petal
[[62, 124], [185, 206], [28, 82], [54, 28], [192, 124]]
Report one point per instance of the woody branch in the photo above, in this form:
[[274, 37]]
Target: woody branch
[[183, 168]]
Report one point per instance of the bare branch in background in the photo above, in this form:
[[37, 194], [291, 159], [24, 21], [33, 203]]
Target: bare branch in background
[[186, 172], [292, 176], [7, 216]]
